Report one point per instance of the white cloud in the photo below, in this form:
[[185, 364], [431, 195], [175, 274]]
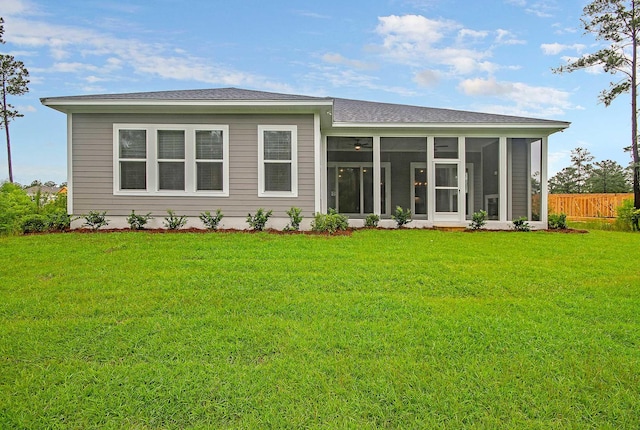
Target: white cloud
[[311, 14], [505, 37], [525, 99], [415, 40], [334, 58], [557, 48], [427, 78], [27, 108], [473, 34], [125, 56]]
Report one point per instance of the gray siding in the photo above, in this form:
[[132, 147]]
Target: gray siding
[[519, 177], [92, 159]]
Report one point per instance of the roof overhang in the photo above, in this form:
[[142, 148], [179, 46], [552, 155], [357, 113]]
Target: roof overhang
[[67, 105]]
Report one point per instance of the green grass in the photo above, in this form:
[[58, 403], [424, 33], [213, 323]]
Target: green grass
[[383, 329]]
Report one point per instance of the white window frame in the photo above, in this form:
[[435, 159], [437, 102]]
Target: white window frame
[[152, 160], [293, 129]]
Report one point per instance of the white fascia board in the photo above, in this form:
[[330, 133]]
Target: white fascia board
[[52, 102], [548, 126]]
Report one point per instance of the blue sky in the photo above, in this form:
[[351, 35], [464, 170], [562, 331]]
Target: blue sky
[[490, 56]]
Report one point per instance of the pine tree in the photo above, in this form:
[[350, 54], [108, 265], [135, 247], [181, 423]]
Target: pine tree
[[14, 78]]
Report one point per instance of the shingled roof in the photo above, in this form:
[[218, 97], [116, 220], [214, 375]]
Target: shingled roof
[[358, 111], [344, 110]]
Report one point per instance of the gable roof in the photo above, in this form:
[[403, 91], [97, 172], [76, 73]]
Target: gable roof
[[345, 112]]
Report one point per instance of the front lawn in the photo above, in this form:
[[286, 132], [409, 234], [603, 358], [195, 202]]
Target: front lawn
[[396, 329]]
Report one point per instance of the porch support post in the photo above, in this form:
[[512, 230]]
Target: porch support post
[[431, 194], [504, 171], [544, 192], [377, 197], [69, 163], [318, 158]]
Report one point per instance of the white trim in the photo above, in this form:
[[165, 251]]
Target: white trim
[[293, 129], [70, 164], [317, 163], [325, 173], [123, 102], [377, 195], [364, 165], [544, 199], [413, 165], [556, 126], [503, 171], [469, 209], [189, 160]]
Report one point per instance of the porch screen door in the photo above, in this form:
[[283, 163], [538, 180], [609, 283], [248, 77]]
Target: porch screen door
[[447, 190]]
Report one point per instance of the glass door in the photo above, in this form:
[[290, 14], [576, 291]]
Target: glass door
[[447, 190]]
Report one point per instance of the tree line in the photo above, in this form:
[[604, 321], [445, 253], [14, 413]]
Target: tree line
[[583, 176]]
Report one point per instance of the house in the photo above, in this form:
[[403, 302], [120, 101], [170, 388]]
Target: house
[[240, 150], [47, 194]]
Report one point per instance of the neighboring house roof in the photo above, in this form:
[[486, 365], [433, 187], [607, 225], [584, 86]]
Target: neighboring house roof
[[344, 112], [43, 190]]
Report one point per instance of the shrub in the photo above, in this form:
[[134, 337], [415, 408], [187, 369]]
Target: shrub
[[371, 220], [173, 221], [478, 220], [14, 204], [34, 223], [95, 220], [211, 221], [521, 224], [330, 222], [401, 216], [628, 216], [137, 222], [558, 221], [58, 221], [259, 220], [295, 218]]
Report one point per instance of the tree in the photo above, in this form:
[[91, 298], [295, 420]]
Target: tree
[[581, 159], [564, 182], [14, 77], [616, 22], [572, 180], [608, 177]]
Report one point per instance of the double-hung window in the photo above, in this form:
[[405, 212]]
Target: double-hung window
[[132, 159], [171, 159], [277, 161]]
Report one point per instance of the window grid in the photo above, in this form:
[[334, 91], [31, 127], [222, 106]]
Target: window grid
[[180, 159]]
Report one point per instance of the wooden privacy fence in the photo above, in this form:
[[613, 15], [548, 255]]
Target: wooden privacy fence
[[587, 205]]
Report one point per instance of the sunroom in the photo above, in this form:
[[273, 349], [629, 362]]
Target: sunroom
[[442, 178]]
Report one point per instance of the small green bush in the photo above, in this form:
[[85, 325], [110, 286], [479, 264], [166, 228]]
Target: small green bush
[[558, 221], [173, 221], [95, 220], [58, 221], [259, 220], [401, 216], [628, 216], [371, 220], [295, 218], [330, 222], [478, 220], [211, 221], [137, 222], [34, 223], [521, 224]]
